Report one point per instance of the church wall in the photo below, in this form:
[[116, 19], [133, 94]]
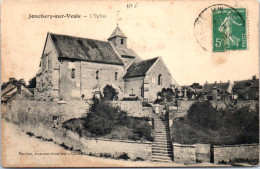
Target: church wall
[[151, 86], [47, 75], [69, 87], [85, 82], [135, 83], [106, 76]]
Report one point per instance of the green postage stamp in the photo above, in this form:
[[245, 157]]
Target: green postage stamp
[[229, 29]]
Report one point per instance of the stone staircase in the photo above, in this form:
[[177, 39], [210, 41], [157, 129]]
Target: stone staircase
[[161, 146]]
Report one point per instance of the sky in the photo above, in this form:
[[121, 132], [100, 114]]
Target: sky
[[164, 28]]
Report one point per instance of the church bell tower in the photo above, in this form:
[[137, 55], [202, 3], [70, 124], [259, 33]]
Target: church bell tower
[[118, 38]]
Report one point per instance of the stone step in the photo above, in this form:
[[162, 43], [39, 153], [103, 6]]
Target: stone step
[[162, 142], [165, 146], [159, 135], [163, 151], [158, 144], [160, 139], [161, 148], [156, 157], [160, 132], [161, 154]]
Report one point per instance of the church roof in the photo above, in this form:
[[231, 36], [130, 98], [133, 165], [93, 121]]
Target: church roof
[[138, 69], [76, 48], [127, 53], [117, 32]]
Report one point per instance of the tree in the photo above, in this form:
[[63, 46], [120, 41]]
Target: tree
[[32, 82], [165, 94], [196, 86], [109, 93], [204, 114]]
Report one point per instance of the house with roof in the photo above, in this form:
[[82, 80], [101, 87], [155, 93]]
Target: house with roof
[[246, 89], [79, 68], [13, 92], [217, 91]]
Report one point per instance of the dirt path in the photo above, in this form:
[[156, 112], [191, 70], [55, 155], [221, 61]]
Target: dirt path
[[20, 150]]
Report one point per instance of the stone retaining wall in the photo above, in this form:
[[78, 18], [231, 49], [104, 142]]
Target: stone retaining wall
[[134, 108], [38, 118], [243, 151], [20, 111], [184, 153], [202, 152]]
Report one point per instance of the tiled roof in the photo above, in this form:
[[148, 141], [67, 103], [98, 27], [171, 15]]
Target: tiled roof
[[138, 69], [75, 48], [12, 90], [243, 83], [125, 52], [208, 87], [117, 32]]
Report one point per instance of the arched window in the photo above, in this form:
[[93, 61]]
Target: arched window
[[116, 76], [97, 74], [73, 73], [160, 79]]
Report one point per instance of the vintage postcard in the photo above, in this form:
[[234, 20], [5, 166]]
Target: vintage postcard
[[129, 83]]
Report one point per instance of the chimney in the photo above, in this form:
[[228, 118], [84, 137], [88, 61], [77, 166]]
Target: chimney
[[206, 82], [215, 82], [220, 81], [254, 77], [228, 81]]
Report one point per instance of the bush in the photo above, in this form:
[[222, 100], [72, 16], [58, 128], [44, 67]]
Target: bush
[[206, 124], [141, 129], [104, 117], [123, 156], [106, 120], [109, 93], [204, 114], [165, 95]]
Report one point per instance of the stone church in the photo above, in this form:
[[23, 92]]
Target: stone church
[[75, 68]]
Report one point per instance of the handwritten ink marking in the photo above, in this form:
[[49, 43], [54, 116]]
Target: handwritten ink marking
[[128, 6]]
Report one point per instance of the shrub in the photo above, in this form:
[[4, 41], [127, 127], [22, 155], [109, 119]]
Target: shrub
[[204, 114], [138, 159], [109, 93], [206, 124], [142, 129], [104, 117], [108, 121], [165, 95], [123, 156], [106, 155]]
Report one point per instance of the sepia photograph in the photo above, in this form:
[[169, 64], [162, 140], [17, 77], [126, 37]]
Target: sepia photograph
[[130, 83]]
